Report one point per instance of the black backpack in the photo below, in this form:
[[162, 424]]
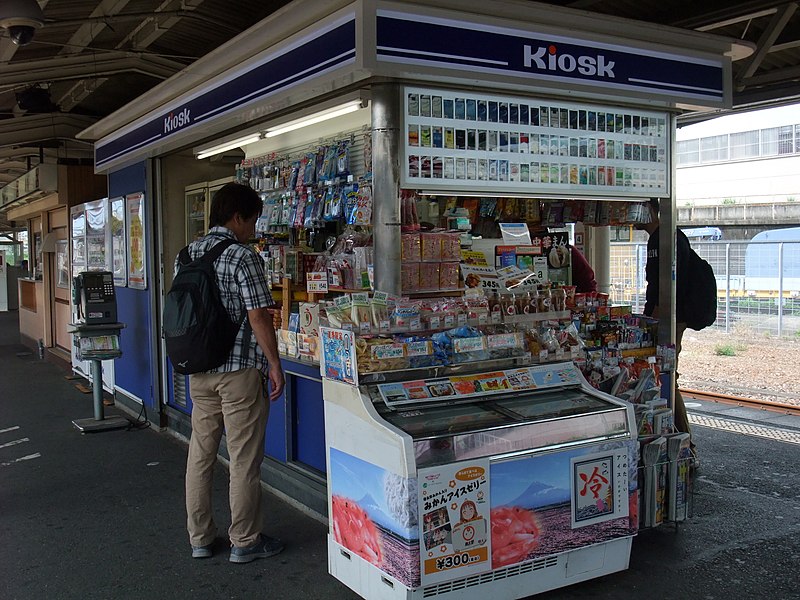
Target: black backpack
[[198, 332], [700, 297]]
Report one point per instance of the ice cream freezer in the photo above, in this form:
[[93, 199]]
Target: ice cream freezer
[[507, 482]]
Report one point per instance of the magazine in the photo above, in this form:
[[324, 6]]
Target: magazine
[[680, 455], [654, 455]]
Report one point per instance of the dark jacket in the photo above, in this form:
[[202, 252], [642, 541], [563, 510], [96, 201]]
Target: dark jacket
[[651, 271]]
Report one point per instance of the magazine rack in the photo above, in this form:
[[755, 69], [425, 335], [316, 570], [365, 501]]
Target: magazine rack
[[666, 492]]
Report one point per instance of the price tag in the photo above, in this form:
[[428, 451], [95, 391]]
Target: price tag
[[503, 340], [474, 344], [419, 348], [386, 351], [317, 282]]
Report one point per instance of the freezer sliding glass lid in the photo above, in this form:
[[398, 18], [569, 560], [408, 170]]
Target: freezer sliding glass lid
[[440, 420], [556, 403]]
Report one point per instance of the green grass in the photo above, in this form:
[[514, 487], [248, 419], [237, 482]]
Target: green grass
[[725, 350]]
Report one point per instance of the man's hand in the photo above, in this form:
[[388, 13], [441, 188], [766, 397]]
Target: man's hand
[[276, 380]]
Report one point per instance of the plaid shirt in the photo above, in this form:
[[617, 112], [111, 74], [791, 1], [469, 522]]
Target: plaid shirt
[[243, 286]]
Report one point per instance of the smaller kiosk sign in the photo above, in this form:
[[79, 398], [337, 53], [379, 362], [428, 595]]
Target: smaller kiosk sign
[[455, 522]]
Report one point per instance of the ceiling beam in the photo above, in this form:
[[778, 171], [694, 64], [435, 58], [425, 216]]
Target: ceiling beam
[[63, 68], [31, 129], [775, 76], [152, 27], [734, 10], [733, 20], [90, 29], [776, 26]]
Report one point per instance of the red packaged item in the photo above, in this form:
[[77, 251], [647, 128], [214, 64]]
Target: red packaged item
[[411, 249], [449, 276], [451, 246], [428, 277], [410, 276], [431, 247]]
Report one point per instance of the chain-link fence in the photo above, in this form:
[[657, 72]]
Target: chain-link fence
[[758, 283]]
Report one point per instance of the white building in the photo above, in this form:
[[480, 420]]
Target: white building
[[744, 158]]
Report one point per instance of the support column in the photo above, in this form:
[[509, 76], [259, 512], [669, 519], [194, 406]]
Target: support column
[[386, 121], [601, 243]]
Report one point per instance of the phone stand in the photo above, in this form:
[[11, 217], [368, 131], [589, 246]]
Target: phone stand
[[97, 343]]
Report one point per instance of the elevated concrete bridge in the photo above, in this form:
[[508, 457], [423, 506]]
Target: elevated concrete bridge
[[741, 221]]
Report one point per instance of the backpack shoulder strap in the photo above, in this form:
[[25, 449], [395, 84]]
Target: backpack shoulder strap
[[217, 249], [184, 257]]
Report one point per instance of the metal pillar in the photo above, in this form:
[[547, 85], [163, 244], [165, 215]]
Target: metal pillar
[[97, 389], [602, 258], [386, 121]]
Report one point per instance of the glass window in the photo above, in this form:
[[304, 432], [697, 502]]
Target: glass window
[[769, 141], [714, 149], [689, 152], [744, 144], [786, 139]]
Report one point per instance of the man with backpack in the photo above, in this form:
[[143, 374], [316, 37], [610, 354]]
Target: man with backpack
[[232, 396], [682, 308]]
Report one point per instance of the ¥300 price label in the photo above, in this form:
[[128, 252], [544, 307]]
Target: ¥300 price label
[[458, 560], [455, 560]]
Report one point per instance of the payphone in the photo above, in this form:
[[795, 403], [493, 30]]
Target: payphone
[[94, 298], [96, 338]]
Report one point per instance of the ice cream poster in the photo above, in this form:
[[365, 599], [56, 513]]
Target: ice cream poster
[[373, 514], [454, 513], [536, 499]]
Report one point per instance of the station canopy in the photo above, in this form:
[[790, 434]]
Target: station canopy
[[90, 58]]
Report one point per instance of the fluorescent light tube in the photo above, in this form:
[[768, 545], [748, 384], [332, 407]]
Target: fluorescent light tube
[[220, 148], [319, 117]]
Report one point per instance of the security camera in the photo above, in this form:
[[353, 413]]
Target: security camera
[[21, 35], [22, 18]]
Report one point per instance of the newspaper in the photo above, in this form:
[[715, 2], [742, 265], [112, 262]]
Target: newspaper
[[680, 454]]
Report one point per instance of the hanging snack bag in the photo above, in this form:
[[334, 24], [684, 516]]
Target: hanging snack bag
[[363, 215], [380, 312], [360, 312]]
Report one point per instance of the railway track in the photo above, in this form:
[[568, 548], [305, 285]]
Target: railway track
[[780, 407]]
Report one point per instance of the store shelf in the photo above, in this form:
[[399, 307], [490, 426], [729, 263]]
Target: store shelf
[[639, 352]]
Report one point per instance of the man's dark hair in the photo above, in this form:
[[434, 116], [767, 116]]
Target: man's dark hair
[[234, 198], [654, 204]]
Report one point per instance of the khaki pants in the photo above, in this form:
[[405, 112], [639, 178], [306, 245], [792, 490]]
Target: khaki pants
[[679, 409], [237, 403]]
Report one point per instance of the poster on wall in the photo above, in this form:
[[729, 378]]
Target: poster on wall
[[137, 275], [62, 264], [119, 263], [78, 218], [551, 503], [454, 513], [374, 514], [96, 221]]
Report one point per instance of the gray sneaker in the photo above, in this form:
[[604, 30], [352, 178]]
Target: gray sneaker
[[202, 551], [263, 548]]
